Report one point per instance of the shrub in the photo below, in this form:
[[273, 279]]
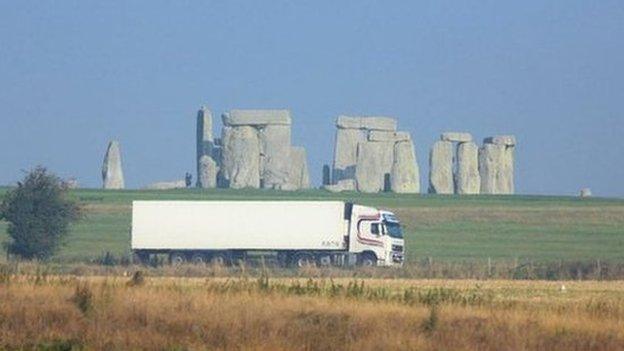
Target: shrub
[[39, 215], [83, 298]]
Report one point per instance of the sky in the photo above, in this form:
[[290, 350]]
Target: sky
[[76, 74]]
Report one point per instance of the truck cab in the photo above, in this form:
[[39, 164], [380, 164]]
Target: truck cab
[[376, 237]]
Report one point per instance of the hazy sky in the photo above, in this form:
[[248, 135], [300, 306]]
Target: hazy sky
[[75, 74]]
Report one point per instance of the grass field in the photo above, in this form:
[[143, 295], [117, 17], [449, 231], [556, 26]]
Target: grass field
[[445, 228], [123, 313]]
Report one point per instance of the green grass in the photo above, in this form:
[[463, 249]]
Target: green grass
[[449, 228]]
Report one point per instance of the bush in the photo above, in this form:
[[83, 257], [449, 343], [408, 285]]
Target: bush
[[39, 215]]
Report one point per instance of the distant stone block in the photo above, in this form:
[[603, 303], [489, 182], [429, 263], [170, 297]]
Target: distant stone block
[[395, 137], [370, 123], [256, 117], [458, 137], [507, 140]]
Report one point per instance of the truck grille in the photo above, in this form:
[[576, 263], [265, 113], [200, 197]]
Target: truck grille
[[397, 248]]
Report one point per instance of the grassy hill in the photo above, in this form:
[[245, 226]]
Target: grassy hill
[[448, 228]]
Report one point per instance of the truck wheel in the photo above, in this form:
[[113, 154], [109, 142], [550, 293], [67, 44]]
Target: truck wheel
[[177, 258], [140, 258], [324, 260], [198, 259], [368, 260], [219, 259], [303, 259]]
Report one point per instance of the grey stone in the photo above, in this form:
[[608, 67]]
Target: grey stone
[[369, 123], [346, 122], [112, 173], [585, 192], [207, 173], [405, 176], [395, 137], [490, 168], [345, 153], [256, 117], [205, 142], [241, 157], [374, 165], [176, 184], [441, 168], [508, 140], [342, 185], [506, 180], [459, 137], [379, 123], [467, 178], [274, 156], [299, 177]]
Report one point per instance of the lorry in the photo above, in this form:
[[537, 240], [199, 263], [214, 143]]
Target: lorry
[[296, 233]]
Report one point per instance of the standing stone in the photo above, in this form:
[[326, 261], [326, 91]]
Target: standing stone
[[299, 177], [274, 156], [490, 168], [345, 153], [467, 179], [205, 142], [207, 172], [374, 165], [585, 192], [112, 173], [441, 168], [241, 157], [506, 181], [405, 176]]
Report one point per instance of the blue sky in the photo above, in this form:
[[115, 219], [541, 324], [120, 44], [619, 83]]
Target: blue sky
[[75, 74]]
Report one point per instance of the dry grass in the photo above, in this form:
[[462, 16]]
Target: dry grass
[[103, 313]]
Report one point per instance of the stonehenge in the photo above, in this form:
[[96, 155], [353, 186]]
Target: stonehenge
[[254, 151], [468, 169], [371, 156], [112, 173]]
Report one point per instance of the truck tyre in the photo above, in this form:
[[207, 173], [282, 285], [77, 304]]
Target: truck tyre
[[177, 258], [303, 259], [324, 260], [220, 259], [198, 259], [140, 258], [367, 259]]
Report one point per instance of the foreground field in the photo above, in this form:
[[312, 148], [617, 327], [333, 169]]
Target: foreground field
[[439, 228], [104, 313]]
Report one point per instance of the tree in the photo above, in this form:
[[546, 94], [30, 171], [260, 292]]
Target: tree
[[39, 215]]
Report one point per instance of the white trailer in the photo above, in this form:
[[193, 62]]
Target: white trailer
[[298, 232]]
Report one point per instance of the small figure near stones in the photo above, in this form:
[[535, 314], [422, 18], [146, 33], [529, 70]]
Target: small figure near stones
[[188, 179]]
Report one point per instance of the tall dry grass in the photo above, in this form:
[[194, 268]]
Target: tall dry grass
[[264, 313]]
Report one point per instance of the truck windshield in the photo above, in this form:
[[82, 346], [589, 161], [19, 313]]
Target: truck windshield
[[394, 229]]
